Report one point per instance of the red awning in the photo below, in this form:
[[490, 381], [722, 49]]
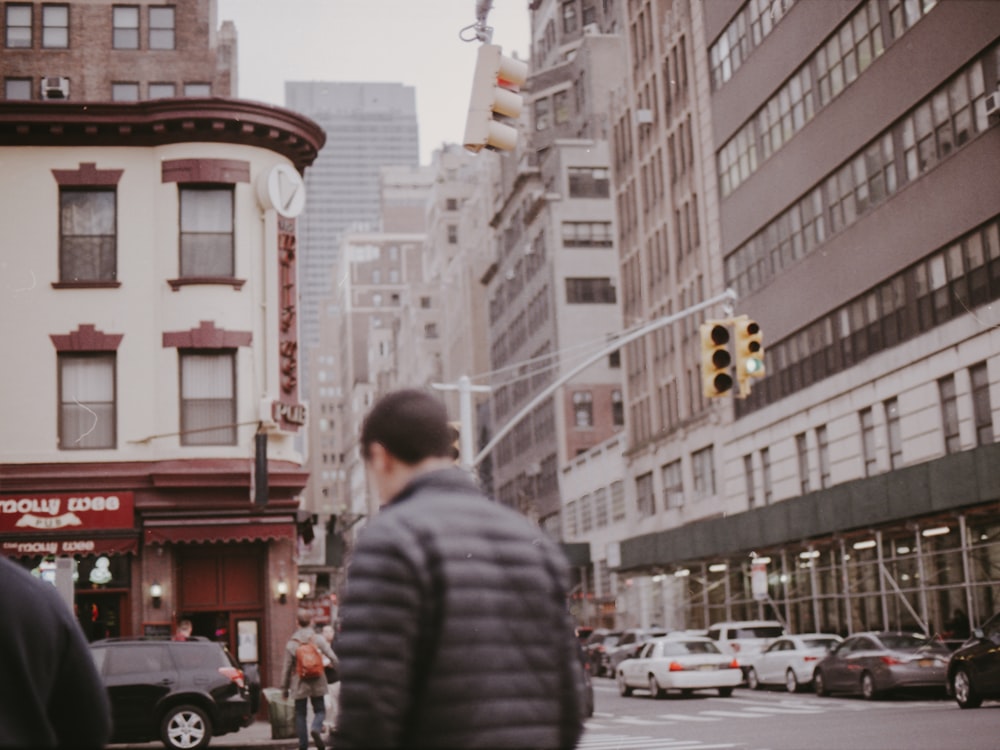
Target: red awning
[[77, 546], [201, 530]]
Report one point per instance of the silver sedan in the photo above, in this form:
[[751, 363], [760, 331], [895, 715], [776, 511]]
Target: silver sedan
[[876, 663]]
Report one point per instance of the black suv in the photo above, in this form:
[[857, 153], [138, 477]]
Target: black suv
[[974, 669], [180, 692]]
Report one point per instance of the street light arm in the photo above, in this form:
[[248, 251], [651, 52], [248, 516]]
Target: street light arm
[[729, 296]]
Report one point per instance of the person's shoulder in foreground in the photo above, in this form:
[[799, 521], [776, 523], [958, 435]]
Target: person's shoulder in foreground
[[50, 692]]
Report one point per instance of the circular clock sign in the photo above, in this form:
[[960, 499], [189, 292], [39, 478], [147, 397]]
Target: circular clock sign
[[283, 190]]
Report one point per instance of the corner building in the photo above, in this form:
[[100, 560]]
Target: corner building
[[150, 273], [848, 154]]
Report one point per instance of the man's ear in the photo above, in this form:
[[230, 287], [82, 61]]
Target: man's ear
[[379, 458]]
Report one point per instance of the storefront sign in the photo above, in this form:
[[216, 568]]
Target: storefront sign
[[68, 547], [66, 512]]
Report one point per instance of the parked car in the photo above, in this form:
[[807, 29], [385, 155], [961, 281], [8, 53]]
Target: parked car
[[628, 646], [974, 669], [180, 692], [789, 661], [745, 638], [876, 663], [596, 647], [685, 664]]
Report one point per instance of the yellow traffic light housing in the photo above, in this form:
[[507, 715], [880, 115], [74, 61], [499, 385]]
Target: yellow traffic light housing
[[749, 349], [717, 378]]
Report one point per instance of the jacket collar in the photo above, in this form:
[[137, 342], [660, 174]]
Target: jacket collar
[[451, 479]]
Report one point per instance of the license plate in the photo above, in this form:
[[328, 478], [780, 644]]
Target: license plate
[[706, 667], [926, 662]]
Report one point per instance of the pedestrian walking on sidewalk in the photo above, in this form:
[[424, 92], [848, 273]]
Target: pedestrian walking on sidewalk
[[303, 684], [50, 692], [455, 630]]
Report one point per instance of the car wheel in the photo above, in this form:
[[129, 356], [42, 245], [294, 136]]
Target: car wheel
[[791, 681], [185, 727], [623, 689], [868, 691], [818, 685], [654, 688], [752, 682], [961, 688], [725, 692]]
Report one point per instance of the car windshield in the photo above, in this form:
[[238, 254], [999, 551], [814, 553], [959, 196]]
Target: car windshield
[[680, 648], [759, 631]]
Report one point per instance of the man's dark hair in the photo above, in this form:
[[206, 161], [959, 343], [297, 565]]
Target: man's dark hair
[[411, 425]]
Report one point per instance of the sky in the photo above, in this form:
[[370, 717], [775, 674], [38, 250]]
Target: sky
[[414, 42]]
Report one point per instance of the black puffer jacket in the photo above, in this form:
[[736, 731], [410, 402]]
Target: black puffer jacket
[[455, 631]]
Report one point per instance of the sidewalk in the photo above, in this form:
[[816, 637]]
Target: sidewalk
[[257, 734]]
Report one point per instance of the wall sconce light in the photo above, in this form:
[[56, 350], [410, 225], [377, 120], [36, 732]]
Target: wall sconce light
[[282, 590], [303, 590], [156, 592]]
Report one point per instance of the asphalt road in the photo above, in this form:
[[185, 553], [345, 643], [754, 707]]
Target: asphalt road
[[776, 720]]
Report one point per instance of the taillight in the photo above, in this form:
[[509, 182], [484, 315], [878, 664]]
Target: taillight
[[734, 664], [889, 661], [809, 658], [676, 667], [234, 674]]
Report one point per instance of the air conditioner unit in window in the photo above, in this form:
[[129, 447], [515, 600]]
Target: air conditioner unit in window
[[591, 29], [55, 87], [644, 116], [993, 103]]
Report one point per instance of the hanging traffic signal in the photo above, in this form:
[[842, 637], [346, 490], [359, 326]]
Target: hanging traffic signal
[[749, 348], [495, 86], [717, 378], [456, 444]]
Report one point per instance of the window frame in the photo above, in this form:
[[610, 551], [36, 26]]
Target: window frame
[[8, 8], [65, 443], [48, 27], [185, 189], [185, 430], [99, 278], [161, 30], [116, 28]]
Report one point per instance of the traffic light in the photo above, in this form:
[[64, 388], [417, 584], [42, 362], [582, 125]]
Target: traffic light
[[456, 445], [494, 92], [749, 352], [717, 378]]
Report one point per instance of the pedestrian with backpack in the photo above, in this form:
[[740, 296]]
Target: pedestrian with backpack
[[304, 679]]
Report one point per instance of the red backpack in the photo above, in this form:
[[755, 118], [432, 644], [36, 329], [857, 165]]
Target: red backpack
[[308, 661]]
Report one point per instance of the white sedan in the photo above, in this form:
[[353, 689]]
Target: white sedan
[[790, 661], [685, 664]]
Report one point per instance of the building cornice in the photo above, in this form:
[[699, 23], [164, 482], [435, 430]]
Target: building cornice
[[160, 122]]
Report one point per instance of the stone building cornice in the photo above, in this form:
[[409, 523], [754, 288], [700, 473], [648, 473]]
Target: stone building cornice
[[160, 122]]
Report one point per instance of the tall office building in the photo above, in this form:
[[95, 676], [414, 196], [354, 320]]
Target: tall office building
[[834, 163], [368, 126]]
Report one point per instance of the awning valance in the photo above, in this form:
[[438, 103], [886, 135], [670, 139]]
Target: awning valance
[[218, 529]]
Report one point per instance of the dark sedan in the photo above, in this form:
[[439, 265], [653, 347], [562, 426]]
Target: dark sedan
[[974, 669], [873, 664]]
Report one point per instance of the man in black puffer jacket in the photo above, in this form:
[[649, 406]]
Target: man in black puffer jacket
[[455, 631]]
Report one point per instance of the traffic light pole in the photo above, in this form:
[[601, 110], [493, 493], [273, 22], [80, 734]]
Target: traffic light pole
[[728, 297], [465, 389]]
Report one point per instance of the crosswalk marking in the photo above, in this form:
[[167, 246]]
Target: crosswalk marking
[[628, 742], [789, 710], [732, 714]]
